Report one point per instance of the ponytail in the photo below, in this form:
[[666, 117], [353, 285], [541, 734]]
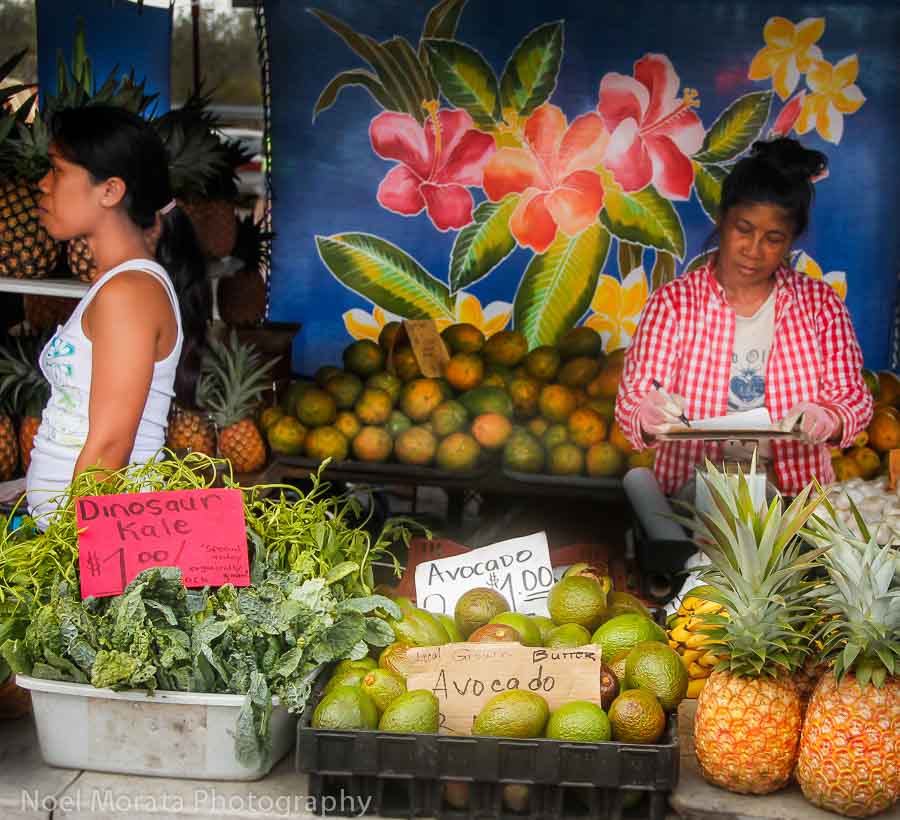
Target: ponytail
[[179, 253]]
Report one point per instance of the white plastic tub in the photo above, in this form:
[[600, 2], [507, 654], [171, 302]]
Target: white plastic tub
[[168, 734]]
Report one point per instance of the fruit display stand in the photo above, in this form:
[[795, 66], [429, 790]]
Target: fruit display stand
[[484, 480]]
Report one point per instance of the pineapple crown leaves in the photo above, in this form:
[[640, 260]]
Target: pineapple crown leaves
[[23, 387], [233, 378], [198, 158], [859, 605], [758, 574], [253, 242]]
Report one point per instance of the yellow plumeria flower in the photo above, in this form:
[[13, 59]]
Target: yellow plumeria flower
[[618, 307], [835, 93], [362, 325], [789, 51], [804, 263], [489, 320]]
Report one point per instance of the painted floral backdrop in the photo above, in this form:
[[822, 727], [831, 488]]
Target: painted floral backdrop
[[484, 195]]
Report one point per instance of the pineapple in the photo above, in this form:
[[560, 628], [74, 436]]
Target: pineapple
[[26, 249], [242, 297], [688, 638], [9, 447], [202, 170], [24, 388], [81, 259], [191, 430], [747, 726], [849, 759], [230, 388]]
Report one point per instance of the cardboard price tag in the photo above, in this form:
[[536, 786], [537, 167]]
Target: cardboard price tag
[[427, 346], [202, 532], [465, 676], [519, 569]]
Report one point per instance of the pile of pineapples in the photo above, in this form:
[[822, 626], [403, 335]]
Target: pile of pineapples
[[231, 386], [804, 602]]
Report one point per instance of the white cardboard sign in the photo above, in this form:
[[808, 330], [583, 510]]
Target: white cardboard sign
[[519, 569]]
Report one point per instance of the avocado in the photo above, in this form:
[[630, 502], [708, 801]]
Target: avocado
[[512, 714], [345, 708], [419, 627], [415, 711]]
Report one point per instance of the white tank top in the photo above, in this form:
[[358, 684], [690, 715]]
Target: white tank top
[[66, 363]]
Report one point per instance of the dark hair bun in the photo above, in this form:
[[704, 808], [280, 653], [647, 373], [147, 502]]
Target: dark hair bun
[[790, 157]]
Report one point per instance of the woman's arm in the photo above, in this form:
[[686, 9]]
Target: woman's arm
[[123, 323], [843, 389], [652, 355]]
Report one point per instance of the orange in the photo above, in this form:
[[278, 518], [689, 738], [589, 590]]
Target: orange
[[868, 460], [889, 387], [406, 367], [586, 427], [364, 357], [326, 442], [415, 446], [316, 407], [884, 429], [617, 438], [388, 335], [449, 417], [348, 424], [604, 460], [537, 427], [543, 363], [420, 398], [579, 371], [373, 444], [458, 452], [557, 402], [374, 406], [565, 459], [491, 430], [507, 348], [465, 371], [463, 338], [525, 393]]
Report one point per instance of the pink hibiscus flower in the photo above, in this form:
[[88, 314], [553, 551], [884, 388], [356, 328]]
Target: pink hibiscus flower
[[435, 164], [554, 173], [653, 131]]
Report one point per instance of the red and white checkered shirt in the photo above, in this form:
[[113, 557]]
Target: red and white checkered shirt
[[685, 341]]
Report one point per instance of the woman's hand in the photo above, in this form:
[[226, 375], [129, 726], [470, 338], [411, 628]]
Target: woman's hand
[[660, 412], [817, 423]]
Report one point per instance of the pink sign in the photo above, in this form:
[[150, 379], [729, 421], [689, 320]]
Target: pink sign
[[200, 531]]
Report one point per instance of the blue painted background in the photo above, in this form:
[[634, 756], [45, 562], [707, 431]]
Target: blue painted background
[[116, 34], [325, 174]]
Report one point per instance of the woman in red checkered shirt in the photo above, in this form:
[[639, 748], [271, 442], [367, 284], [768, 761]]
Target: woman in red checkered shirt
[[747, 331]]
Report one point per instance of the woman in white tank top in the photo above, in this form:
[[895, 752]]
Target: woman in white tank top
[[134, 340]]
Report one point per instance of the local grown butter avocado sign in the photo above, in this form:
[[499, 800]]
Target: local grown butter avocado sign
[[202, 532], [465, 676]]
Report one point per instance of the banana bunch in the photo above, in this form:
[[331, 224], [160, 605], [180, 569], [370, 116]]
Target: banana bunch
[[697, 650]]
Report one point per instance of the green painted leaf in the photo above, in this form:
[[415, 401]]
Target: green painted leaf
[[557, 286], [385, 275], [645, 218], [663, 270], [412, 69], [389, 75], [736, 128], [441, 23], [483, 244], [529, 77], [466, 80], [708, 185], [443, 19], [359, 77], [630, 257]]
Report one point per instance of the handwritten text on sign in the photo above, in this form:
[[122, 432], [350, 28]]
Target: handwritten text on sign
[[519, 569], [200, 531], [465, 676]]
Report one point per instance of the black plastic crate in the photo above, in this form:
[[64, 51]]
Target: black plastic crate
[[405, 775]]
